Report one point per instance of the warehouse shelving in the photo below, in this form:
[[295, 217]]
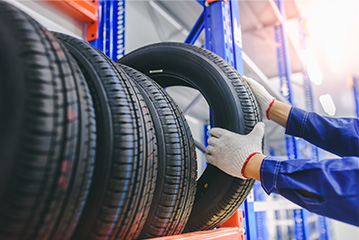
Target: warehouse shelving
[[232, 229], [86, 11], [258, 32], [356, 93], [111, 30]]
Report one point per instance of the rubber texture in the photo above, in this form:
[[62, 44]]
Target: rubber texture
[[177, 168], [47, 133], [149, 157], [126, 165], [233, 107]]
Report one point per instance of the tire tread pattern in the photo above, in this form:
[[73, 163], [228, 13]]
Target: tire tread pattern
[[169, 218]]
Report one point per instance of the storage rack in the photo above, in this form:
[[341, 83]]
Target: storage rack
[[223, 38], [111, 28], [356, 93]]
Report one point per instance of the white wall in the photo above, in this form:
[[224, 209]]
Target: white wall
[[146, 24], [342, 231]]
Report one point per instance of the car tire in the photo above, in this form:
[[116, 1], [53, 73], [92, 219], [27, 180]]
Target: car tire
[[177, 169], [126, 165], [47, 135], [233, 107]]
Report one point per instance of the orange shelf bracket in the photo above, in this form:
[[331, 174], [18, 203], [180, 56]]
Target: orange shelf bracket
[[215, 234], [84, 10], [236, 220], [232, 229]]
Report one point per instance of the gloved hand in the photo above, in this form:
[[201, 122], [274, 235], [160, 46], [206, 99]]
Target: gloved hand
[[264, 99], [230, 151]]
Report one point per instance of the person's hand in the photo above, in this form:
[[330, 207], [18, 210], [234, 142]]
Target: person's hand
[[264, 99], [230, 151]]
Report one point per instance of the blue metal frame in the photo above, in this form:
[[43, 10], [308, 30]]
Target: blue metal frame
[[111, 28], [236, 37], [218, 29], [283, 56], [356, 94], [261, 217], [223, 37], [196, 30]]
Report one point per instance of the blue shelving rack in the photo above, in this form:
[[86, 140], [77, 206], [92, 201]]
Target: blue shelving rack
[[221, 23], [302, 231], [111, 28], [356, 93]]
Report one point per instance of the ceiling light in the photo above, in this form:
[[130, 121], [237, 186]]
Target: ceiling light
[[327, 103], [313, 69], [332, 26]]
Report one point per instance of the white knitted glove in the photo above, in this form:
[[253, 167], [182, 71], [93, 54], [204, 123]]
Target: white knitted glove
[[230, 151], [264, 99]]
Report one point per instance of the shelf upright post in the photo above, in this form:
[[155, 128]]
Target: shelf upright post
[[223, 37], [322, 221], [111, 36], [196, 30], [356, 93], [284, 68], [98, 43], [308, 90], [261, 217]]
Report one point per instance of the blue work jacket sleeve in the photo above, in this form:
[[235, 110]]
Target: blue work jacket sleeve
[[333, 181], [336, 135]]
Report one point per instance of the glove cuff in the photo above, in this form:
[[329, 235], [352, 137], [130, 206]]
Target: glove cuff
[[245, 163], [267, 111]]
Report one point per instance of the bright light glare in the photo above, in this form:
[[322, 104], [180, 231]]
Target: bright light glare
[[331, 25], [314, 72], [327, 103]]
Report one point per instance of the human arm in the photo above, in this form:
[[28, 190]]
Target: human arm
[[336, 135], [332, 185], [327, 187], [253, 170]]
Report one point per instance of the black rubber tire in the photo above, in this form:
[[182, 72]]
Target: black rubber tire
[[173, 199], [141, 209], [47, 135], [233, 107], [125, 168]]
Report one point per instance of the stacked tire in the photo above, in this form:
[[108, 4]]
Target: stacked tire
[[96, 149]]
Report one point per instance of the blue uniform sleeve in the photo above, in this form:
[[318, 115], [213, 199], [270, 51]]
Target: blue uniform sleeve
[[333, 181], [336, 135]]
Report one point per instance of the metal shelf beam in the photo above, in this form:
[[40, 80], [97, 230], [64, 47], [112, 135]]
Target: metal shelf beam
[[86, 11], [356, 94], [223, 37]]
